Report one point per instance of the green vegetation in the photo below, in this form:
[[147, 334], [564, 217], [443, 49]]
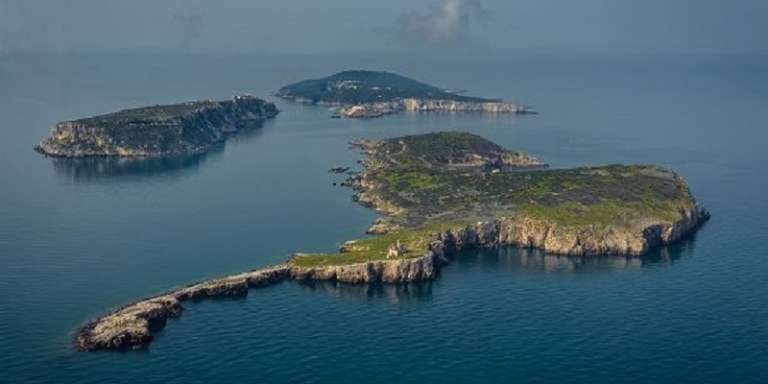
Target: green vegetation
[[448, 150], [425, 175], [153, 114], [415, 241], [352, 87], [174, 129], [449, 180], [605, 213]]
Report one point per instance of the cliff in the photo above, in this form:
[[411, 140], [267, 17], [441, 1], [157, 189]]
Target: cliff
[[369, 94], [162, 130], [377, 109]]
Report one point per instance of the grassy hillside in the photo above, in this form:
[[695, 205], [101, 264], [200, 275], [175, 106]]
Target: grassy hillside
[[357, 86]]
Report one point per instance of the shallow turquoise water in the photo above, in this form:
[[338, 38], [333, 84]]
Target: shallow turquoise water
[[78, 238]]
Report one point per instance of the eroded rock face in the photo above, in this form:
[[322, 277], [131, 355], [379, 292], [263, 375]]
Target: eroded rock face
[[386, 271], [161, 130], [371, 110], [572, 241], [129, 326], [378, 109], [427, 105]]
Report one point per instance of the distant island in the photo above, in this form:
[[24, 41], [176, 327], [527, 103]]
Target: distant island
[[160, 130], [368, 94], [441, 193]]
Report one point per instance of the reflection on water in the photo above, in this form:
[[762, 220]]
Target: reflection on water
[[484, 116], [394, 293], [511, 259], [101, 168], [534, 260]]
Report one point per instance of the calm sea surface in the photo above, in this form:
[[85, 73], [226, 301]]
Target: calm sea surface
[[80, 237]]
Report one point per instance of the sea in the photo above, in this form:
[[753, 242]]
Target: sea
[[81, 237]]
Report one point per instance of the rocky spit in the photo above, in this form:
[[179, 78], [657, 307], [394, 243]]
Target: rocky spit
[[160, 130], [378, 109], [131, 326]]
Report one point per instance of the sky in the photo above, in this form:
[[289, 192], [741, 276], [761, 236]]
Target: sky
[[313, 26]]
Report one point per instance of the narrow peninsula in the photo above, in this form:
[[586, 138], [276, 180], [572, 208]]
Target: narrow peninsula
[[368, 94], [160, 130], [439, 193]]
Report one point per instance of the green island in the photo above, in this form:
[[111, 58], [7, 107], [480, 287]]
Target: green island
[[368, 94], [429, 183], [159, 130], [439, 193]]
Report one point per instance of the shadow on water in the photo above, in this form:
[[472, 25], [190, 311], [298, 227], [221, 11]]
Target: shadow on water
[[101, 168], [97, 169]]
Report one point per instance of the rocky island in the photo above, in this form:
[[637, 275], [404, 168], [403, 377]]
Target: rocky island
[[367, 94], [443, 192], [160, 130]]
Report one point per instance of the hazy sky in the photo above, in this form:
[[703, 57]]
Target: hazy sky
[[358, 25]]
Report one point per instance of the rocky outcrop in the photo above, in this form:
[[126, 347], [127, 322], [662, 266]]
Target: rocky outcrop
[[371, 110], [573, 241], [378, 109], [128, 326], [131, 326], [162, 130], [430, 105], [385, 271]]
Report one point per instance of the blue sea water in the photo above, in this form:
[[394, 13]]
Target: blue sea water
[[80, 237]]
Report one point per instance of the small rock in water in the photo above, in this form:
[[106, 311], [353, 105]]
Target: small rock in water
[[338, 169]]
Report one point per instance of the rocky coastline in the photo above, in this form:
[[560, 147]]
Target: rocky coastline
[[378, 109], [441, 193], [370, 94], [518, 224], [161, 130], [131, 326]]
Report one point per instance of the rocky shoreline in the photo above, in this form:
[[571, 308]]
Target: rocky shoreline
[[161, 130], [368, 94], [378, 109], [131, 326], [518, 227]]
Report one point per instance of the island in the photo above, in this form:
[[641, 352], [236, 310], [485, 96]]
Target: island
[[368, 94], [160, 130], [439, 193]]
